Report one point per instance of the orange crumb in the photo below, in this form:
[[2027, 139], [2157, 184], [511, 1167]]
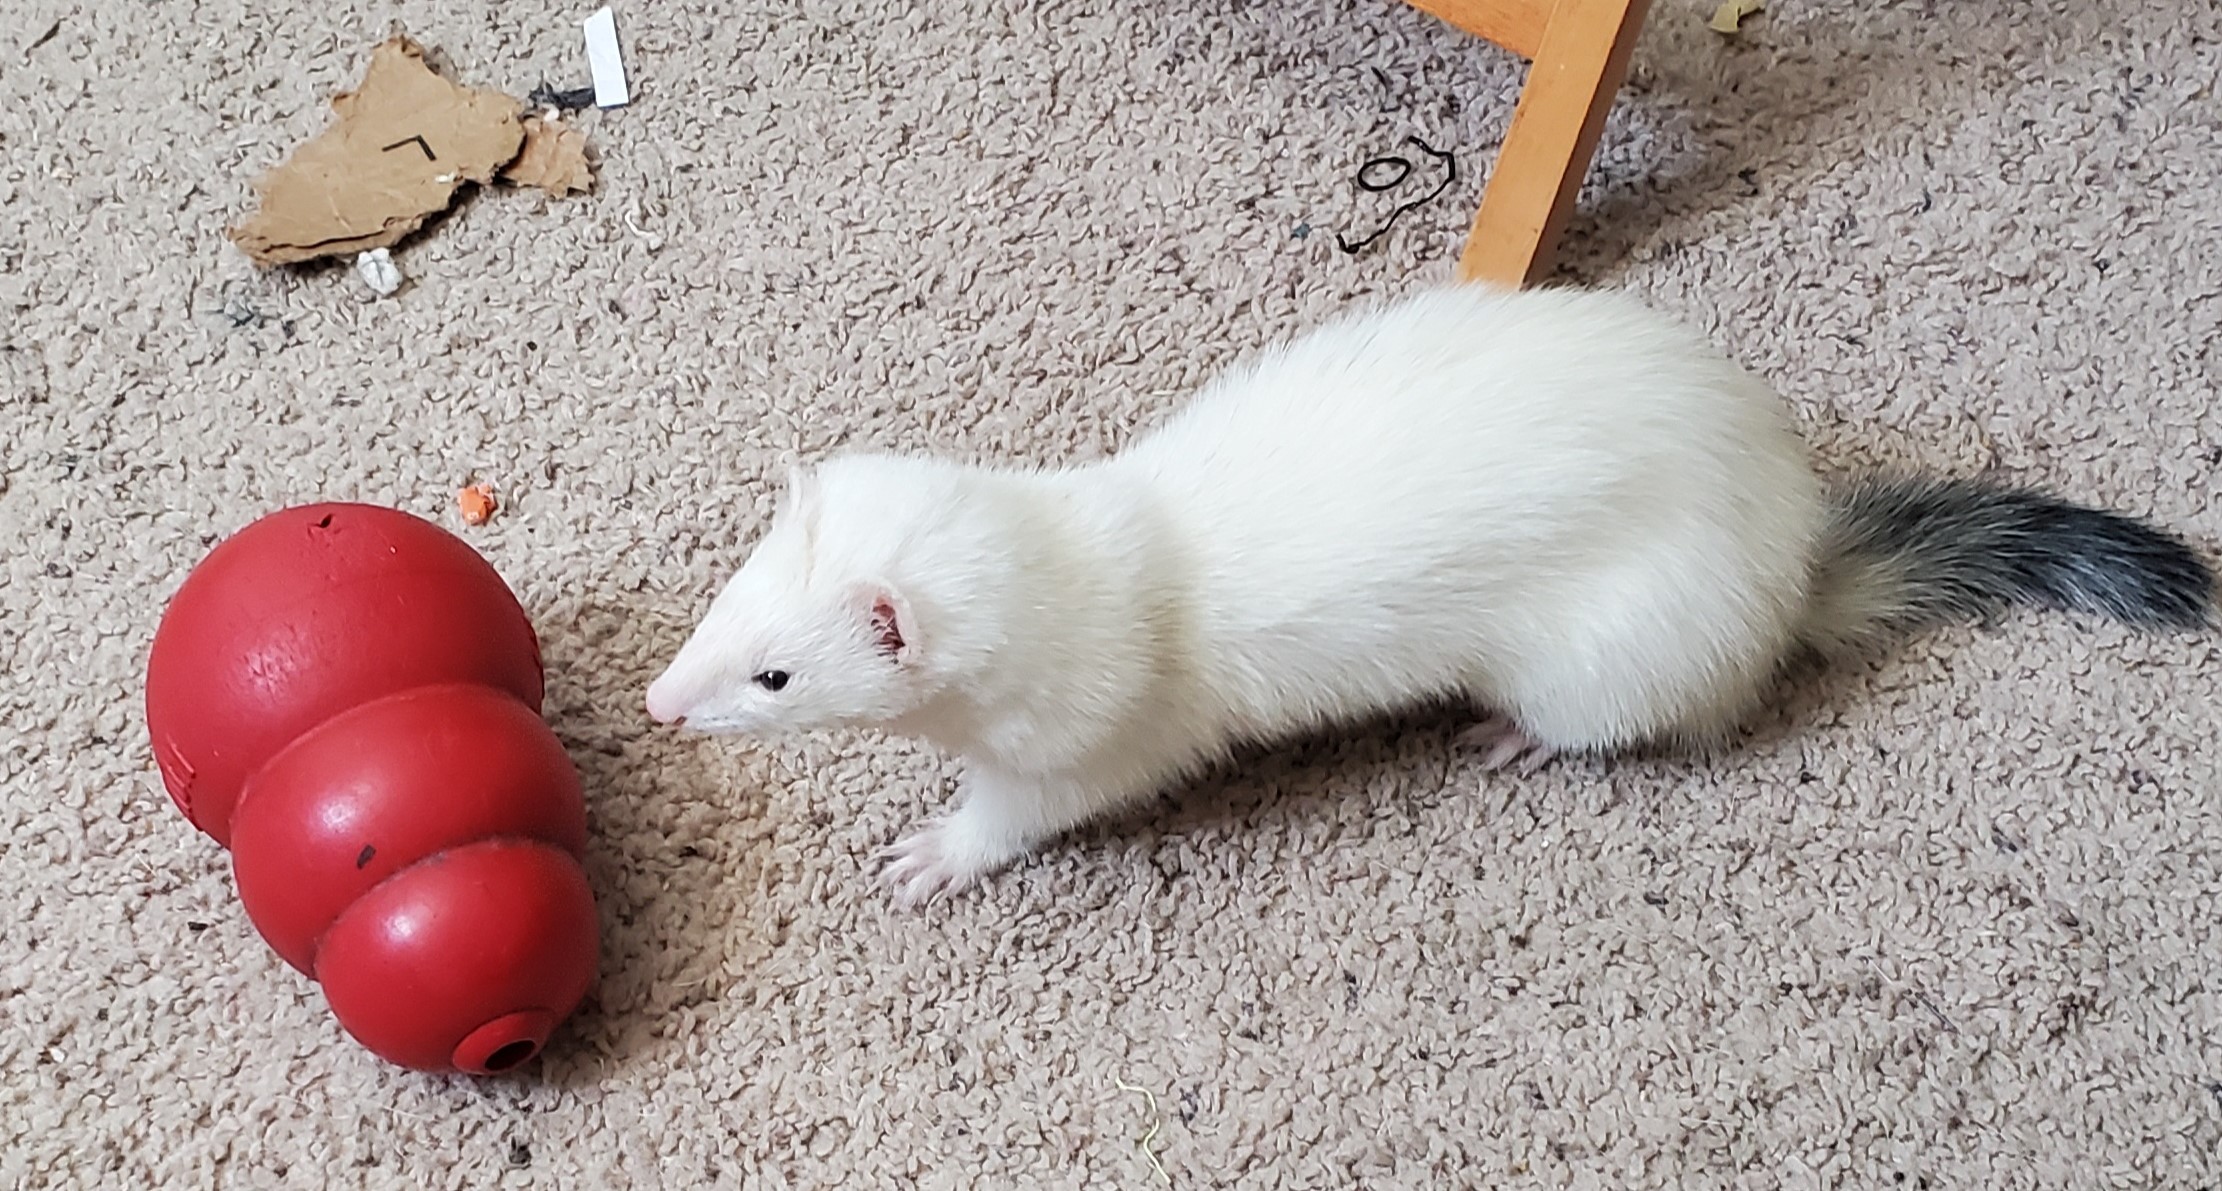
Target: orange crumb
[[477, 503]]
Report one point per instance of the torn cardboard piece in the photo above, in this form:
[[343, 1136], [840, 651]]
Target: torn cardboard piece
[[553, 159], [405, 141]]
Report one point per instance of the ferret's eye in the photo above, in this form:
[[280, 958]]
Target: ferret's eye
[[772, 680]]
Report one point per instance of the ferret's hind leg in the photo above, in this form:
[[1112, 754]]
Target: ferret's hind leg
[[1000, 818], [1504, 743]]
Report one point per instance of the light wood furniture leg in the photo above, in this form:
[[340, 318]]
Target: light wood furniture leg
[[1579, 52]]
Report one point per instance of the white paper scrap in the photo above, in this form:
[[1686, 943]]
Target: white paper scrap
[[602, 58]]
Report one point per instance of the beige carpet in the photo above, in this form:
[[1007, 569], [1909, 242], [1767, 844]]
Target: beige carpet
[[1949, 922]]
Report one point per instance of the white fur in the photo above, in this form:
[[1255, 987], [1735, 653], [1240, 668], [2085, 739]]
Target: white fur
[[1556, 504]]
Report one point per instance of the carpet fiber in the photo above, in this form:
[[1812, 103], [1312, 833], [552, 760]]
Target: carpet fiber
[[1950, 920]]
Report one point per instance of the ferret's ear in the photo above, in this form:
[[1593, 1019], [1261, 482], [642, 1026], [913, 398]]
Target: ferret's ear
[[888, 614]]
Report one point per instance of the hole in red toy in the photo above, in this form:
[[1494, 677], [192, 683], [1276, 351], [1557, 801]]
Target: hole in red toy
[[509, 1056], [504, 1043]]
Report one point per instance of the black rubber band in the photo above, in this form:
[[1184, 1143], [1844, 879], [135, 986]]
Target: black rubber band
[[1402, 164], [1450, 175]]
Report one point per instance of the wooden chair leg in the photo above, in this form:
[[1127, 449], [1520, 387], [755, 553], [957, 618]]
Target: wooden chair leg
[[1571, 86]]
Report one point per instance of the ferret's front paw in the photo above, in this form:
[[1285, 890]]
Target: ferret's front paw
[[931, 863]]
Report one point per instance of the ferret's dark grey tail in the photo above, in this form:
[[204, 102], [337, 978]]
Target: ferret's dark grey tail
[[1904, 555]]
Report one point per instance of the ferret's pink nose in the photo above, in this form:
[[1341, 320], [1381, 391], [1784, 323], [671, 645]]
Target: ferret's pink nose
[[662, 707]]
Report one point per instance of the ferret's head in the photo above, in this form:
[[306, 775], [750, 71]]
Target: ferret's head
[[801, 637]]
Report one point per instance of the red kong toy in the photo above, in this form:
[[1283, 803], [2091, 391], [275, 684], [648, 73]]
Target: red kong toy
[[348, 697]]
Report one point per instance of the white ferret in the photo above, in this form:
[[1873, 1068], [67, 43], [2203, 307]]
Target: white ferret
[[1557, 505]]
